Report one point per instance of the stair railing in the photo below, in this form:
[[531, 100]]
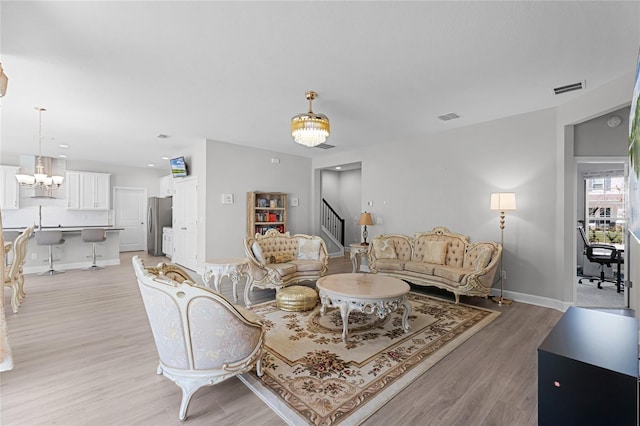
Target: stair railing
[[332, 221]]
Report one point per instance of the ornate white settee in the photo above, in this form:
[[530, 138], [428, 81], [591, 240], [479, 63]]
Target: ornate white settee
[[437, 258], [277, 260]]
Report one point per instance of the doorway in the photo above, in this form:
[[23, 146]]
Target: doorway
[[601, 212], [130, 205], [340, 195]]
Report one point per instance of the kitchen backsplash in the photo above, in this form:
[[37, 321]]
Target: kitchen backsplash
[[54, 213]]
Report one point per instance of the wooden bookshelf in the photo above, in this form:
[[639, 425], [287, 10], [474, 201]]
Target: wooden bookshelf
[[266, 210]]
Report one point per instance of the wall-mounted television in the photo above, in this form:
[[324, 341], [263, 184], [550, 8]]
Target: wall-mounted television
[[178, 167]]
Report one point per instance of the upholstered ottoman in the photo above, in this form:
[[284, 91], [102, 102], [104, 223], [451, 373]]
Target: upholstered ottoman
[[296, 298]]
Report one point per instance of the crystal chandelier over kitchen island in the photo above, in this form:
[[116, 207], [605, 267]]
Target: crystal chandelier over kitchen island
[[40, 179]]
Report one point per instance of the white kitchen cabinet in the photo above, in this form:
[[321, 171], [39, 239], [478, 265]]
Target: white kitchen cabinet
[[10, 189], [72, 185], [88, 190], [166, 186], [167, 241]]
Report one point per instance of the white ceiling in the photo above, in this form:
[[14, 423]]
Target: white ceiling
[[114, 75]]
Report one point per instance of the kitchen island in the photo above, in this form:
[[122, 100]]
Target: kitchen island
[[74, 253]]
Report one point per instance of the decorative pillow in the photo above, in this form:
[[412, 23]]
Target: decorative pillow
[[384, 249], [435, 252], [281, 258], [308, 249], [484, 257], [257, 252]]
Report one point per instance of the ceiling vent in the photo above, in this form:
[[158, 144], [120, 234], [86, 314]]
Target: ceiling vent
[[570, 87], [325, 146], [450, 116]]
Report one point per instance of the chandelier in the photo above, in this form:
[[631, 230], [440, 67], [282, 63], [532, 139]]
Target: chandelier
[[40, 179], [310, 129]]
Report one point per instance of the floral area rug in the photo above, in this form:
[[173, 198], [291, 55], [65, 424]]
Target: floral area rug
[[312, 377]]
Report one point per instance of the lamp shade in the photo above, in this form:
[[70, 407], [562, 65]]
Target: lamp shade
[[503, 201], [365, 219]]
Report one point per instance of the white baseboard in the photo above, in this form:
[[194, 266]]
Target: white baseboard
[[531, 299], [67, 266]]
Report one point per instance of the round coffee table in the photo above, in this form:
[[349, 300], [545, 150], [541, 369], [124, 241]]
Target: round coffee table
[[366, 293]]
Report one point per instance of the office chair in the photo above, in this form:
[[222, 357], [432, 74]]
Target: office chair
[[602, 254]]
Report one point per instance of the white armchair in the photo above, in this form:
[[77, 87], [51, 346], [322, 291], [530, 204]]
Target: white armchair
[[13, 276], [201, 338]]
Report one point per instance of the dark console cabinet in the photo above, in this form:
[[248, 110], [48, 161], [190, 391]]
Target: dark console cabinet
[[588, 370]]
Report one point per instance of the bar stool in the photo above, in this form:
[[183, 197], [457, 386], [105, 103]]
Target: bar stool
[[49, 238], [93, 235]]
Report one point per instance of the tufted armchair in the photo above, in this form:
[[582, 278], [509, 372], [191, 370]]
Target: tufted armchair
[[277, 260], [201, 338], [13, 276]]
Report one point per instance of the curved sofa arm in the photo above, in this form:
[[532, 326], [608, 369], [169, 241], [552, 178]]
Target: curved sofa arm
[[257, 269], [323, 256], [484, 278]]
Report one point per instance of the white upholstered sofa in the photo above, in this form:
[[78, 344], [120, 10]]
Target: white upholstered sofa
[[277, 260], [439, 258]]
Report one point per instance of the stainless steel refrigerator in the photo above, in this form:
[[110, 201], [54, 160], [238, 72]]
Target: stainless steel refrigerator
[[158, 216]]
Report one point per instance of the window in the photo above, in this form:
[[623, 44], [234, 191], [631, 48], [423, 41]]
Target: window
[[605, 201], [597, 184]]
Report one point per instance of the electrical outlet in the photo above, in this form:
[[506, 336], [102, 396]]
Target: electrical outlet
[[504, 275], [34, 256]]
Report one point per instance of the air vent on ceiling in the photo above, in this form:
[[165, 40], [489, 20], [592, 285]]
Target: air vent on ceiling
[[570, 87], [450, 116], [325, 146]]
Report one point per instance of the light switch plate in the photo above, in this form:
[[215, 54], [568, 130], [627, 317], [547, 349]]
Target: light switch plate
[[227, 198], [294, 201]]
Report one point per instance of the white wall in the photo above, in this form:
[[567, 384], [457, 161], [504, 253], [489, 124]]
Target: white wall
[[446, 179], [235, 169], [350, 190], [331, 189], [594, 138]]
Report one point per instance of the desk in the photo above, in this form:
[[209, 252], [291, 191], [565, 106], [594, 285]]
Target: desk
[[357, 251], [233, 268]]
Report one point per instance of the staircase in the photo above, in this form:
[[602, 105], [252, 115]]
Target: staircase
[[332, 229]]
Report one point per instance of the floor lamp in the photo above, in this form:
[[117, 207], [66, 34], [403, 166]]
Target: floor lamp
[[502, 201]]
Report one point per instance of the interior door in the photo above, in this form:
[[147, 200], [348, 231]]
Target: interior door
[[185, 223], [130, 206]]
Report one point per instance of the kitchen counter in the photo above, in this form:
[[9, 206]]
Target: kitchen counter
[[65, 228], [73, 253]]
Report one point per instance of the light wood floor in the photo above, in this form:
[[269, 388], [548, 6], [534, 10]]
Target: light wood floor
[[84, 355]]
